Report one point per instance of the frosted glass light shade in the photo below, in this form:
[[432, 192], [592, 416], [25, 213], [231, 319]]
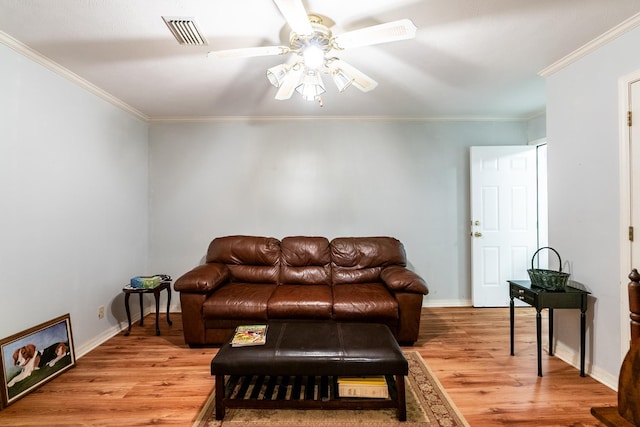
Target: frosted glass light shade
[[277, 74], [311, 87], [341, 79]]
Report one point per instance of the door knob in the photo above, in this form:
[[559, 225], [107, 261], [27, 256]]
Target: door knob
[[477, 234]]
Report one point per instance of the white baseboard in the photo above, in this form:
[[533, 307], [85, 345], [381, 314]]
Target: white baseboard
[[109, 333], [447, 303], [572, 357], [97, 340]]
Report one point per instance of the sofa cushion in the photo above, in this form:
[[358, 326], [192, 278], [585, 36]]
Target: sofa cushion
[[365, 301], [361, 259], [249, 259], [305, 261], [301, 302], [239, 301]]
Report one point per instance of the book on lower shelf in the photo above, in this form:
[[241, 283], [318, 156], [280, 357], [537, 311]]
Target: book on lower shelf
[[371, 387], [247, 335]]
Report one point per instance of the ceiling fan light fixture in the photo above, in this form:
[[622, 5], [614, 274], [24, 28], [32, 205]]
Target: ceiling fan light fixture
[[277, 74], [290, 82], [311, 44], [313, 56], [312, 86], [341, 79]]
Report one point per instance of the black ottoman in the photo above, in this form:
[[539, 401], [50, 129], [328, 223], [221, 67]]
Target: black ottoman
[[309, 357]]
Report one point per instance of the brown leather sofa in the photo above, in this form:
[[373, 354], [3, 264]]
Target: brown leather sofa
[[250, 280]]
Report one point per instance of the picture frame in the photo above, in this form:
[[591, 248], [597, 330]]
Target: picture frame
[[33, 357]]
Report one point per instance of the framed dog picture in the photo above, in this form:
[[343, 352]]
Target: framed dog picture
[[33, 357]]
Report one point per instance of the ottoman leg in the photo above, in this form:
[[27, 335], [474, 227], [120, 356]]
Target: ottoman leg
[[402, 403], [220, 409]]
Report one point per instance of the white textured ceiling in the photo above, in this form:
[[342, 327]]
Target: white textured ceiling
[[471, 58]]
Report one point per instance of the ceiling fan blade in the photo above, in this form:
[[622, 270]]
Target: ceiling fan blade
[[289, 83], [295, 15], [360, 79], [389, 32], [248, 52]]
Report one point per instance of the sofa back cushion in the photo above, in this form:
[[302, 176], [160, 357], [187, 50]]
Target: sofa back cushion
[[250, 259], [305, 261], [361, 259]]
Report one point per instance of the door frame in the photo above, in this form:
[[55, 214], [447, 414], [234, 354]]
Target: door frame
[[624, 99], [543, 209]]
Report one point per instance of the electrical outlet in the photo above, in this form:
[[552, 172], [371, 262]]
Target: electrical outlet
[[101, 312]]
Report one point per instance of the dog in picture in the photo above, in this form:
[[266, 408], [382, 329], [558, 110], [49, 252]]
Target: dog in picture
[[29, 359]]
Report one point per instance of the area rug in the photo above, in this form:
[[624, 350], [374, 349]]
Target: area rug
[[428, 405]]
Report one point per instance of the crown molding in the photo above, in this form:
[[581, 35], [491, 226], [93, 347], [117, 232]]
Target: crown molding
[[594, 44], [536, 115], [60, 70], [210, 119]]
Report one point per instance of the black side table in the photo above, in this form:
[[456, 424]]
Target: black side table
[[540, 298], [128, 290]]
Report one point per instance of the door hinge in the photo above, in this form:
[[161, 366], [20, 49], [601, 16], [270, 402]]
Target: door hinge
[[631, 233], [629, 118]]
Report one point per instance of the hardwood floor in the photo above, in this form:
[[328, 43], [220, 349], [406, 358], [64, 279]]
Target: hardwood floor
[[468, 350], [148, 380]]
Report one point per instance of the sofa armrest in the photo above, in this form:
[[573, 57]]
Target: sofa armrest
[[401, 279], [203, 278]]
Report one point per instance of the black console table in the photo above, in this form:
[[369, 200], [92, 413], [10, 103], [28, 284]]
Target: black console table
[[540, 298]]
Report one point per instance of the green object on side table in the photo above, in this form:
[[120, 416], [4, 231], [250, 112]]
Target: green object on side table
[[146, 282]]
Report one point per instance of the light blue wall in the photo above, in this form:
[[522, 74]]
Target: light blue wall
[[407, 179], [584, 191], [76, 174], [73, 191]]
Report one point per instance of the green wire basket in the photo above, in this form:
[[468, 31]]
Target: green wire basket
[[548, 279]]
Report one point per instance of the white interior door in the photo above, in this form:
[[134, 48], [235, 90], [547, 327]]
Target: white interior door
[[503, 220]]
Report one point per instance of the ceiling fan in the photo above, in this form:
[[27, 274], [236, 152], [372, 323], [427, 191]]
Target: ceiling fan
[[313, 49]]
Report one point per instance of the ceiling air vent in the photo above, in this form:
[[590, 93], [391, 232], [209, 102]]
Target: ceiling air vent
[[185, 31]]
